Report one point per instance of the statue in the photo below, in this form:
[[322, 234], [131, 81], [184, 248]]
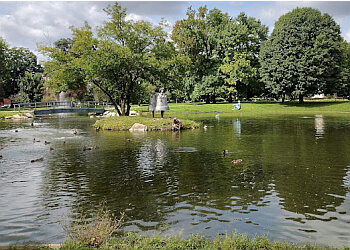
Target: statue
[[152, 102], [158, 102], [237, 106], [162, 103]]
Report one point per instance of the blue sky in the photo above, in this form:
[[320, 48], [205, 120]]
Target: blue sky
[[26, 23]]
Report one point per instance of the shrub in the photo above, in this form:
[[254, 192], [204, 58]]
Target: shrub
[[93, 231]]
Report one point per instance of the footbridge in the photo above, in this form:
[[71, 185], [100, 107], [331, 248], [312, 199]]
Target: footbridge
[[53, 107]]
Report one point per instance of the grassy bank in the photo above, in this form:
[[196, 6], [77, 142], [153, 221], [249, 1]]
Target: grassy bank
[[125, 123], [338, 106], [133, 241], [250, 108], [4, 114]]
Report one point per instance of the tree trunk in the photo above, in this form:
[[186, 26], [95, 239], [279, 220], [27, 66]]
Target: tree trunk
[[230, 99], [207, 99], [301, 99], [122, 107], [214, 98]]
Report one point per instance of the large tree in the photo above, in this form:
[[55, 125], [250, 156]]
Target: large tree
[[239, 43], [4, 72], [125, 55], [31, 87], [304, 55], [195, 37]]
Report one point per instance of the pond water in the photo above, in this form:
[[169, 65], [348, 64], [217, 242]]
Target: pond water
[[293, 182]]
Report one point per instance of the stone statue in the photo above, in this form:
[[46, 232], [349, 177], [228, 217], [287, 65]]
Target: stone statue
[[237, 106], [152, 102], [161, 103]]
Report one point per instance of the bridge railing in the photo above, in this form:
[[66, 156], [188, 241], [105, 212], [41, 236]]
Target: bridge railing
[[57, 104]]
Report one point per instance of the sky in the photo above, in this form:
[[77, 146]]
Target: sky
[[26, 23]]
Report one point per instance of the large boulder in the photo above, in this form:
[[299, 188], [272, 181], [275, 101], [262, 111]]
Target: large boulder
[[138, 127]]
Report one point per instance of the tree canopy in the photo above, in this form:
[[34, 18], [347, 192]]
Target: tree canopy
[[223, 50], [304, 55], [14, 64], [125, 55]]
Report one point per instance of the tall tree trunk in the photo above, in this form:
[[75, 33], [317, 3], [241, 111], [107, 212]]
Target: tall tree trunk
[[207, 99], [230, 99], [122, 107], [301, 99]]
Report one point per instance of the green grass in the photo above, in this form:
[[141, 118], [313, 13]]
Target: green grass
[[329, 106], [183, 111], [228, 241], [125, 123], [4, 114]]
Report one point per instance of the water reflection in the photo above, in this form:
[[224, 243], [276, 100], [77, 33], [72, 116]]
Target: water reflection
[[319, 126], [287, 184], [237, 127]]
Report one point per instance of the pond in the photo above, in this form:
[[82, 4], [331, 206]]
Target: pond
[[293, 182]]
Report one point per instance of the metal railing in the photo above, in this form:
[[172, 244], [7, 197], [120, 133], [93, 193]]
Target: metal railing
[[68, 104]]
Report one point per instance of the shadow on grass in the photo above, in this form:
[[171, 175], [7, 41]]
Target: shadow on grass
[[312, 104]]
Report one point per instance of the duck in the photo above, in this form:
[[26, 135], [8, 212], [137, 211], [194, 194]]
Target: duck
[[40, 159], [51, 148], [1, 147], [75, 131], [127, 139], [96, 147], [87, 148], [35, 140], [236, 162], [47, 142]]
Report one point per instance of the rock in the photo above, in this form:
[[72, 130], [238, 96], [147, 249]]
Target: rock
[[138, 127], [17, 117], [29, 115]]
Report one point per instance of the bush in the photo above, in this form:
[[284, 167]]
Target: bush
[[93, 231]]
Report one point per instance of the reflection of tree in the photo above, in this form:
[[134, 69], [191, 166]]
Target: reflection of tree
[[306, 177], [148, 179]]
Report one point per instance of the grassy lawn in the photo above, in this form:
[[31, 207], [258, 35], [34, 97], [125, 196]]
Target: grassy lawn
[[329, 106]]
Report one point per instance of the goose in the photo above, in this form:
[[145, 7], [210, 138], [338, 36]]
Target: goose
[[225, 152]]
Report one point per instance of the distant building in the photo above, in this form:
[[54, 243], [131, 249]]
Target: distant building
[[6, 101]]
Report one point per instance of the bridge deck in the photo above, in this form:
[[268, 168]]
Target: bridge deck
[[68, 110], [53, 107]]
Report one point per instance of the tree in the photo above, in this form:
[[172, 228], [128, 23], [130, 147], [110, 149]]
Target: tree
[[3, 67], [195, 37], [20, 60], [125, 56], [31, 87], [239, 43], [304, 55]]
